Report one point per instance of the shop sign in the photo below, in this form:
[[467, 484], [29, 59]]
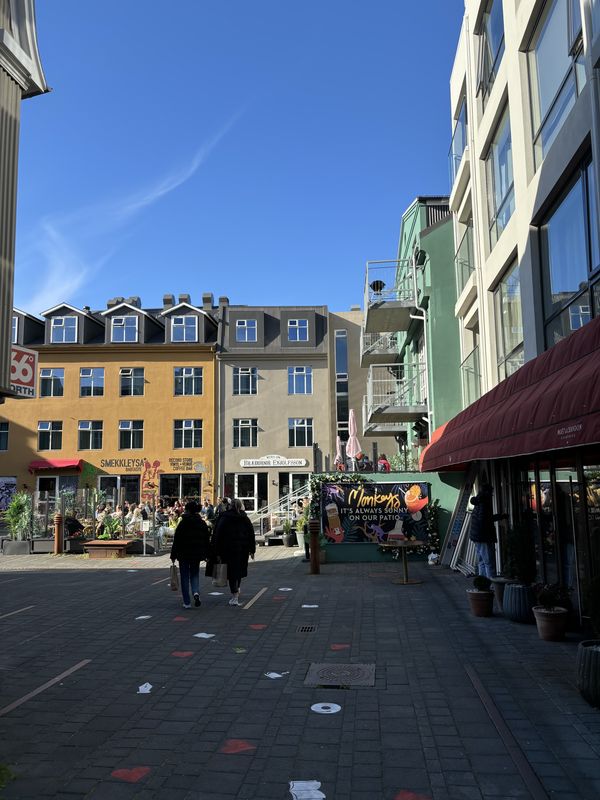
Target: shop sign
[[127, 464], [273, 461], [358, 513], [185, 465], [23, 369]]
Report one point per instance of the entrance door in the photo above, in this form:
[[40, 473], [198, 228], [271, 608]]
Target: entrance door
[[130, 486], [109, 486], [169, 488], [246, 490]]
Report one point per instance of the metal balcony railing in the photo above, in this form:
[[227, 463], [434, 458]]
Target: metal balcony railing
[[396, 386], [463, 260], [458, 144], [389, 281], [471, 378], [375, 344]]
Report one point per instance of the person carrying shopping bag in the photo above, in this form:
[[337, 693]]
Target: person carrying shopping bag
[[191, 545], [233, 542]]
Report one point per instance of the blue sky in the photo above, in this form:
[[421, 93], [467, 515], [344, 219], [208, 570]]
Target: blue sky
[[261, 150]]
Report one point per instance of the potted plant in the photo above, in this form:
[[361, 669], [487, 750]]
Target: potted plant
[[552, 612], [288, 534], [481, 597], [18, 519], [588, 651], [519, 597]]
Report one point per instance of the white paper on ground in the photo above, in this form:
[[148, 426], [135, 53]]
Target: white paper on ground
[[132, 570], [145, 688], [214, 594], [274, 675], [326, 708], [204, 635], [284, 589], [145, 616], [306, 790], [309, 606]]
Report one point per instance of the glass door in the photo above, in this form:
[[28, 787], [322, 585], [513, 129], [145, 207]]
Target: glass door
[[246, 490], [130, 485]]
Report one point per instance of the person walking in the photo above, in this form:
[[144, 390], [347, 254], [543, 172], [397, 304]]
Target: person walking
[[233, 542], [482, 531], [191, 545]]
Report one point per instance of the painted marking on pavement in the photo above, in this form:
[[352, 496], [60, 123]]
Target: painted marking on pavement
[[12, 580], [162, 580], [336, 647], [43, 687], [133, 775], [182, 653], [18, 611], [257, 627], [405, 794], [306, 790], [233, 746], [181, 619], [255, 598]]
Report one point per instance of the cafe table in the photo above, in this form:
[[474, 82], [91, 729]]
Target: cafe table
[[401, 547]]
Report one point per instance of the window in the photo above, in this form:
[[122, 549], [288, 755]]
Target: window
[[245, 432], [63, 330], [3, 435], [131, 434], [341, 351], [188, 381], [187, 433], [342, 404], [569, 256], [91, 382], [184, 329], [132, 381], [15, 330], [245, 380], [556, 70], [299, 380], [491, 48], [300, 432], [509, 323], [124, 329], [245, 330], [499, 177], [49, 435], [52, 382], [90, 434], [297, 330]]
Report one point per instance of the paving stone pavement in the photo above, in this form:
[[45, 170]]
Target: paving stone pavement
[[214, 727]]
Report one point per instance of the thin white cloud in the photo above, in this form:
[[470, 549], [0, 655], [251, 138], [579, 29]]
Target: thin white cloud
[[65, 251]]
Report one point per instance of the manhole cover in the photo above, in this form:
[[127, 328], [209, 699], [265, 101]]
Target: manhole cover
[[340, 675], [306, 628]]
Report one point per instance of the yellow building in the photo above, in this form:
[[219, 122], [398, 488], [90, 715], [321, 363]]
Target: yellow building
[[125, 402]]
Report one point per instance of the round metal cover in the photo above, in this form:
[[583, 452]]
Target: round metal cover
[[331, 674], [326, 708]]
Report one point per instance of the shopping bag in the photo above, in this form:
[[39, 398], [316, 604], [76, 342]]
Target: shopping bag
[[174, 578], [220, 575]]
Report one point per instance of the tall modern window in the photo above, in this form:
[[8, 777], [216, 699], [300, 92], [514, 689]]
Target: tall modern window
[[63, 330], [299, 380], [132, 381], [499, 178], [52, 382], [184, 329], [556, 70], [509, 323], [342, 403], [245, 432], [245, 330], [91, 382], [570, 259], [298, 330], [245, 380], [124, 329], [459, 141], [131, 434], [491, 48], [90, 434], [187, 433], [3, 435], [49, 434], [188, 380], [300, 432], [15, 330]]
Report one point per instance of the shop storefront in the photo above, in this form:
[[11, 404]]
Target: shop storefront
[[265, 480]]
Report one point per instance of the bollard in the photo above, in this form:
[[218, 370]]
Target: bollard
[[58, 534], [314, 527]]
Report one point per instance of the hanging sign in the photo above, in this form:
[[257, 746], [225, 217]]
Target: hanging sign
[[23, 369], [272, 461]]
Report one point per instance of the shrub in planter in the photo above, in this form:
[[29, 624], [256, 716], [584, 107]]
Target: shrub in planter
[[288, 534], [481, 597], [552, 612], [519, 597], [588, 652]]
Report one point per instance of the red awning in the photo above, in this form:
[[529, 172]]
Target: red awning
[[552, 402], [56, 463]]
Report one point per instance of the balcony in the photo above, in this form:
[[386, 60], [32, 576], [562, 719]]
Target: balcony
[[458, 144], [379, 348], [380, 429], [396, 393], [471, 378], [464, 262], [389, 295]]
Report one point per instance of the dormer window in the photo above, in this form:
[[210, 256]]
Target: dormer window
[[298, 330], [184, 329], [245, 330], [63, 330], [124, 329], [15, 330]]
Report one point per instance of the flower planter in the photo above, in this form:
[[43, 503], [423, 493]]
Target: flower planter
[[12, 547], [551, 622], [588, 671], [499, 585], [288, 539], [42, 544], [482, 603], [518, 603]]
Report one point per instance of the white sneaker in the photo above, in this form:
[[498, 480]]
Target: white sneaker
[[187, 605], [234, 601]]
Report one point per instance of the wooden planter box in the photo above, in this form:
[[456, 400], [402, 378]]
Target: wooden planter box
[[107, 548], [43, 544]]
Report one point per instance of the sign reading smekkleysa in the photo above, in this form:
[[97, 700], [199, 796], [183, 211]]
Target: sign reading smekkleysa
[[273, 461], [23, 369]]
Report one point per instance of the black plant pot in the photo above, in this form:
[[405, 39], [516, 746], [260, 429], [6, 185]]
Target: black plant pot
[[518, 603], [288, 539], [588, 671]]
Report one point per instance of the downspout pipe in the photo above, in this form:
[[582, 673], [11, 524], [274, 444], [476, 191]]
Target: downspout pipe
[[421, 314]]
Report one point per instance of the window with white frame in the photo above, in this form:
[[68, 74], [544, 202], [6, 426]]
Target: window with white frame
[[499, 178], [15, 330], [132, 381], [184, 329], [124, 329], [245, 380], [90, 434], [245, 432], [509, 323], [491, 48], [188, 381], [91, 382], [52, 382], [342, 402], [63, 330], [49, 435], [3, 435], [299, 380], [131, 434], [187, 433], [245, 330], [300, 432], [297, 330]]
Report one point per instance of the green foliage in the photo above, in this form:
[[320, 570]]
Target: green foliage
[[18, 516], [404, 462], [520, 554], [482, 583], [286, 526], [111, 525], [329, 477], [552, 595], [6, 776]]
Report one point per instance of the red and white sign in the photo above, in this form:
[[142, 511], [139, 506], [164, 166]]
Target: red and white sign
[[23, 370]]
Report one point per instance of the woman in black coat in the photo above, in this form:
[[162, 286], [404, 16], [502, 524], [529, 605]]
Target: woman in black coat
[[191, 545], [234, 542]]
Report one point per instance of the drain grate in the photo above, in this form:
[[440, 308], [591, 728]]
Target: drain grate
[[340, 675], [306, 628]]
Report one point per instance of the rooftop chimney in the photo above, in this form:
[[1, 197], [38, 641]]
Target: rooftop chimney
[[168, 301], [223, 301], [207, 301], [185, 298], [135, 301]]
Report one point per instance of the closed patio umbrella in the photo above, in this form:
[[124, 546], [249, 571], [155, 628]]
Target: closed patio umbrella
[[353, 445], [338, 451]]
